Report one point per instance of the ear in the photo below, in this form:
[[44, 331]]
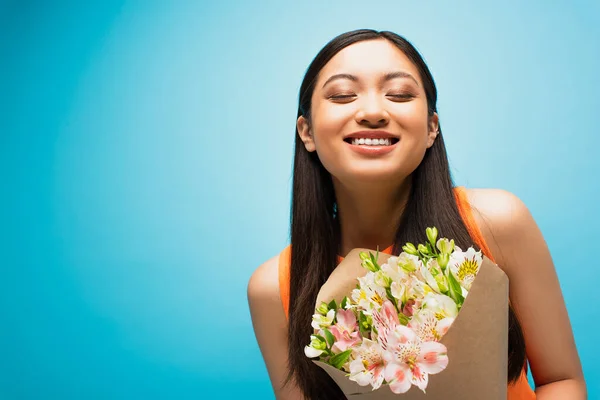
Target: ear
[[305, 133], [433, 129]]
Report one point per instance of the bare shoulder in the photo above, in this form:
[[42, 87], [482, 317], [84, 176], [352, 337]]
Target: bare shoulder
[[500, 206], [263, 284], [270, 327], [502, 218], [517, 244]]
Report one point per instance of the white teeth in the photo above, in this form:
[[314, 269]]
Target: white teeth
[[371, 142]]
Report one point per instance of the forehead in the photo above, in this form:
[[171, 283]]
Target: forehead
[[369, 59]]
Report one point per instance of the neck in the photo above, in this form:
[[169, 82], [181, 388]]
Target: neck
[[369, 214]]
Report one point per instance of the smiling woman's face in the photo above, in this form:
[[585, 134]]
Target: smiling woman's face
[[369, 86]]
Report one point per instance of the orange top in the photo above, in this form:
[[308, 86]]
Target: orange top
[[520, 390]]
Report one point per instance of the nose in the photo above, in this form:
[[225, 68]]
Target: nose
[[372, 112]]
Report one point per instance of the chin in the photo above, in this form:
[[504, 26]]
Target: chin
[[373, 175]]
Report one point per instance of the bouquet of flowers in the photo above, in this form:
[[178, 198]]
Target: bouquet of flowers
[[387, 330]]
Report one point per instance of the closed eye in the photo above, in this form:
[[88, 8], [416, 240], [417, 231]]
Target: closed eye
[[342, 96], [401, 96]]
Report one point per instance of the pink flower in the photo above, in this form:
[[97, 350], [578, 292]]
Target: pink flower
[[367, 367], [385, 321], [345, 330], [409, 361]]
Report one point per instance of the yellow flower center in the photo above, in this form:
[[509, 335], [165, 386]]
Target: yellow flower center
[[376, 298], [467, 268]]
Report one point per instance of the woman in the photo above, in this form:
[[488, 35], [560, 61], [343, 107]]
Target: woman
[[371, 170]]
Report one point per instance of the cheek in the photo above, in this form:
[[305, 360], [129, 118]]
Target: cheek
[[330, 120], [412, 117]]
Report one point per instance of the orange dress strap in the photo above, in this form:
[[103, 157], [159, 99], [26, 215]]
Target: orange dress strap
[[464, 207], [285, 262]]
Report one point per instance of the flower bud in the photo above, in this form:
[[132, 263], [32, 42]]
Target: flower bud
[[445, 246], [443, 260], [316, 343], [323, 308], [410, 249], [442, 283], [368, 264], [432, 235], [423, 249], [382, 279], [364, 256]]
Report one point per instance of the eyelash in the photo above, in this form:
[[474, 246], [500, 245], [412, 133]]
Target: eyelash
[[398, 96]]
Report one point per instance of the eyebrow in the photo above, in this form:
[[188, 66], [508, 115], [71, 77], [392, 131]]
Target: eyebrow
[[388, 76]]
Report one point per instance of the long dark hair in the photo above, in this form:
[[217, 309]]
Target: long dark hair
[[315, 230]]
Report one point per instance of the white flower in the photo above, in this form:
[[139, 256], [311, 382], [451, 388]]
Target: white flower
[[409, 360], [409, 262], [369, 295], [367, 367], [441, 305], [315, 348], [428, 327], [323, 321], [465, 266]]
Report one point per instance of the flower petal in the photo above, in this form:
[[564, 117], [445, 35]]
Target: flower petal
[[419, 378], [403, 334], [390, 313], [398, 375], [362, 378], [356, 366], [377, 378], [443, 325], [346, 319], [311, 352], [433, 357]]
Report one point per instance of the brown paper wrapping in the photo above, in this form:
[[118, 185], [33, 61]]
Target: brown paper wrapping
[[477, 341]]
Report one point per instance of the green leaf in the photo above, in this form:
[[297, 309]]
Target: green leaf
[[388, 292], [344, 302], [332, 305], [329, 336], [403, 319], [374, 259], [362, 321], [340, 359], [454, 288]]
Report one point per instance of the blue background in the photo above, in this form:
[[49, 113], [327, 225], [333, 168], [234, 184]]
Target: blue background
[[146, 150]]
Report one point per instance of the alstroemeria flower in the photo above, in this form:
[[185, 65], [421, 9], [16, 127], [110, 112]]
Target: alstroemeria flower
[[345, 331], [370, 295], [428, 327], [409, 263], [385, 321], [428, 277], [407, 286], [315, 348], [465, 266], [441, 305], [323, 321], [436, 271], [367, 366], [410, 360]]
